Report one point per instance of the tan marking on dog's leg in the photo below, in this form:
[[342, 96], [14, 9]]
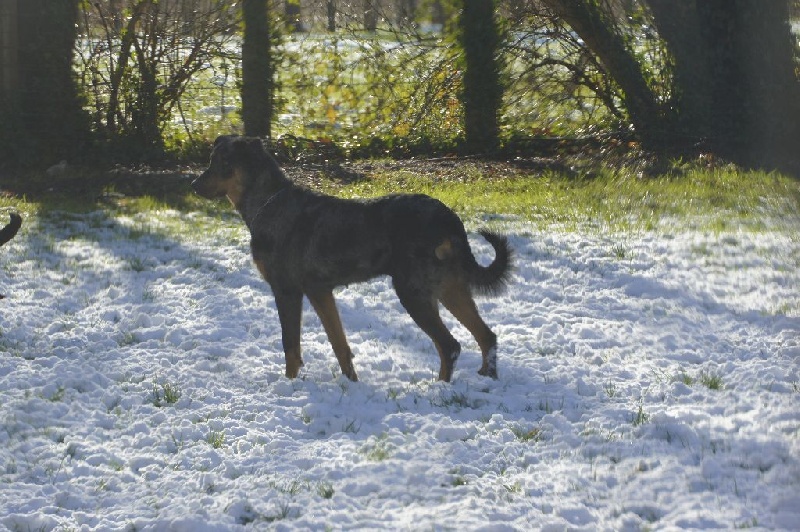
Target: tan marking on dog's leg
[[325, 305], [262, 269], [456, 298]]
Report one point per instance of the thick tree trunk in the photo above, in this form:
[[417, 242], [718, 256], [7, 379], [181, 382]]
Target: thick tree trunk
[[759, 88], [482, 92], [734, 90], [331, 13], [679, 25], [735, 87], [257, 69], [43, 104]]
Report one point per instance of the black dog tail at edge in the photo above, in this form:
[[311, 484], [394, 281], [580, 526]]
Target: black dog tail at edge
[[8, 232], [492, 279]]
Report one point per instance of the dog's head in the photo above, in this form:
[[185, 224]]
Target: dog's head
[[234, 161]]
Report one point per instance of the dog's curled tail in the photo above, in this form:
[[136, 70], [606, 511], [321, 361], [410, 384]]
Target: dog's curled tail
[[491, 279], [8, 232]]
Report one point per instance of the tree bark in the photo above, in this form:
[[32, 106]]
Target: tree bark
[[258, 87], [735, 87], [42, 110], [331, 14], [370, 16], [680, 27], [482, 92]]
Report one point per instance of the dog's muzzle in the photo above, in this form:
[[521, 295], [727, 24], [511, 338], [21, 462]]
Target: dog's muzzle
[[201, 185]]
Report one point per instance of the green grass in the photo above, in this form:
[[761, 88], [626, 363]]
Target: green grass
[[618, 200], [640, 417], [715, 200], [378, 450], [216, 439], [165, 394], [711, 381], [525, 435]]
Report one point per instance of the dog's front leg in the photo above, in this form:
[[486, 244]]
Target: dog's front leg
[[290, 309]]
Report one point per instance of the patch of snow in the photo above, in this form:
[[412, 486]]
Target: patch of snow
[[645, 381]]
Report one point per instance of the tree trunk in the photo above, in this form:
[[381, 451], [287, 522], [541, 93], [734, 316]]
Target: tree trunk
[[370, 16], [596, 28], [331, 12], [756, 114], [437, 14], [482, 92], [734, 80], [9, 48], [258, 87], [406, 12], [679, 25], [44, 108]]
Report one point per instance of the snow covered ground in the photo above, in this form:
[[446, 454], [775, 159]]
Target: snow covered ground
[[647, 381]]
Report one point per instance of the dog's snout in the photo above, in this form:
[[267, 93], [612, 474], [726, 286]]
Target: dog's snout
[[208, 186], [200, 183]]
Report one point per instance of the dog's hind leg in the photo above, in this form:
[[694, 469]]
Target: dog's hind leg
[[424, 310], [325, 305], [456, 298], [290, 310]]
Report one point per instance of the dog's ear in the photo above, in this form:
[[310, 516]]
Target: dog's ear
[[251, 147], [255, 145], [226, 139]]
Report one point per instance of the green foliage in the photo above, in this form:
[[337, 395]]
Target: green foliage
[[428, 77], [216, 439], [533, 435], [136, 62], [397, 91], [165, 394], [711, 381], [640, 417]]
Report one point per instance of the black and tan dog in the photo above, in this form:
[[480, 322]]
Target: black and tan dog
[[305, 243]]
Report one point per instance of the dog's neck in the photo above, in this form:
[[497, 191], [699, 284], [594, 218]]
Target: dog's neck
[[257, 195], [254, 214]]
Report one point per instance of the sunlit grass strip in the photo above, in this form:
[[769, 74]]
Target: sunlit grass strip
[[617, 200]]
